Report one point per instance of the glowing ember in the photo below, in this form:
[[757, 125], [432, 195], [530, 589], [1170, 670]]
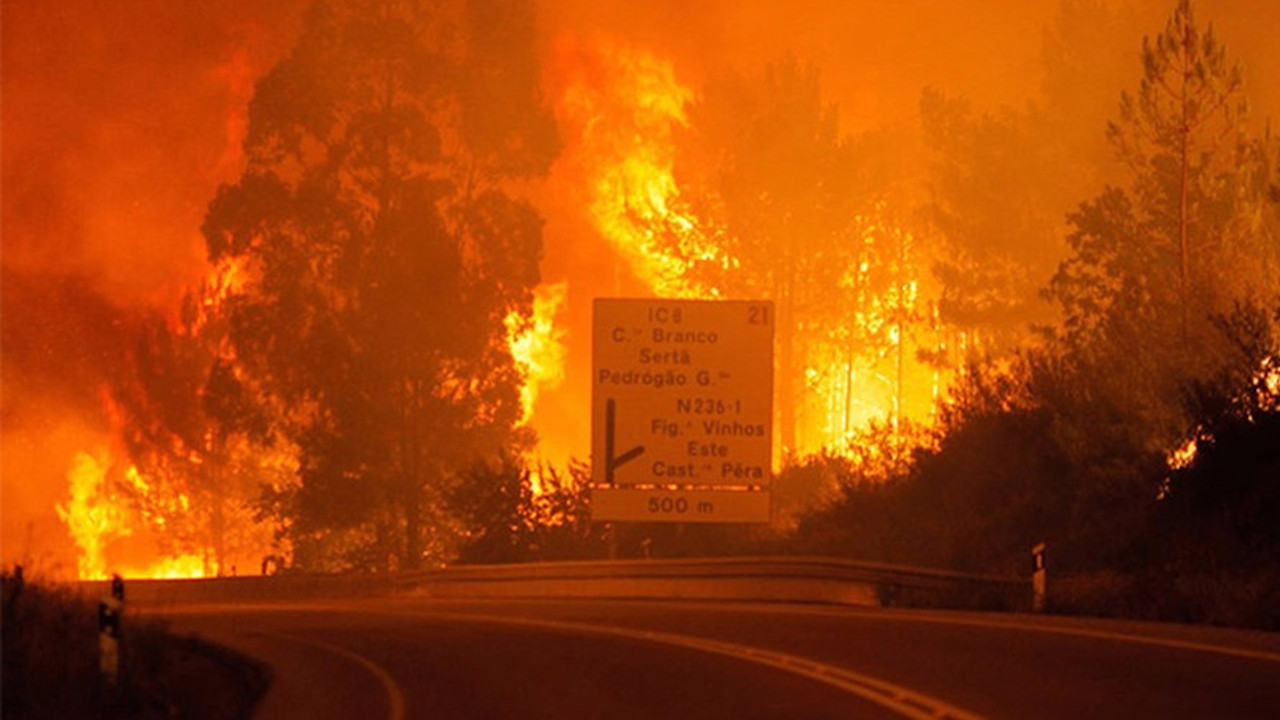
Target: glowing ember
[[1183, 456]]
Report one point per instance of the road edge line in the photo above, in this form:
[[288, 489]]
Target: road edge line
[[896, 698], [929, 616], [395, 697]]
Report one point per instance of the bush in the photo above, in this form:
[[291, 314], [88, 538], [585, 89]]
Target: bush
[[50, 664]]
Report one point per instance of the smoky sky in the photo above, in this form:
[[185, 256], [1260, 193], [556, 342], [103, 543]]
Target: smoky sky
[[120, 119]]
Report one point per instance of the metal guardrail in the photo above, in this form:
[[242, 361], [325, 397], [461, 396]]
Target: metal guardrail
[[815, 579], [771, 578]]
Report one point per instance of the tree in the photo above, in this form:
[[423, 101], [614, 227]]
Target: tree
[[1213, 531], [786, 209], [384, 250], [765, 163], [1153, 260], [993, 204], [1182, 137]]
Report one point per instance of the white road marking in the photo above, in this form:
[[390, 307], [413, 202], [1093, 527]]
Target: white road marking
[[898, 699], [395, 698], [1014, 624]]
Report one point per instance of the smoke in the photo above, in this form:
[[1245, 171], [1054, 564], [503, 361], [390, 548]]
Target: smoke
[[119, 122]]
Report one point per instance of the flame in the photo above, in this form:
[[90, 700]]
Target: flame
[[626, 106], [91, 522], [538, 345], [1183, 455], [97, 517]]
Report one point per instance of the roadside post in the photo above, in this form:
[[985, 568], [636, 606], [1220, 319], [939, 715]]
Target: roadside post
[[1037, 577], [110, 608]]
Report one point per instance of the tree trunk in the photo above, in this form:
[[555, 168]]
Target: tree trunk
[[786, 394], [413, 527], [216, 466], [1184, 284]]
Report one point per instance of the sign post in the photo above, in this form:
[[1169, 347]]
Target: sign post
[[110, 608], [1038, 579], [682, 410]]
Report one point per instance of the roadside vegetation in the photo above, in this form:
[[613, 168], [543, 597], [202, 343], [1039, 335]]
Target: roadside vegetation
[[1130, 532], [51, 669], [1132, 423]]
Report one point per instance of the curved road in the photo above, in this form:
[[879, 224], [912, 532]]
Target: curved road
[[406, 657]]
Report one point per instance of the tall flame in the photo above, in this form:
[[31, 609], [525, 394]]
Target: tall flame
[[97, 517], [538, 346], [624, 106], [91, 522]]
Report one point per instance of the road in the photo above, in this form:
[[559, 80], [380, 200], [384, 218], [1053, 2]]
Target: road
[[407, 657]]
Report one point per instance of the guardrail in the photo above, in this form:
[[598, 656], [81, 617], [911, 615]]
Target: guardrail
[[794, 579], [772, 579], [253, 588]]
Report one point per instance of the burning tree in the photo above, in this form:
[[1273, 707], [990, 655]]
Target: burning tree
[[199, 444], [386, 257], [791, 209], [748, 188]]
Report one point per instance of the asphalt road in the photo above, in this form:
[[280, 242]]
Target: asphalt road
[[406, 657]]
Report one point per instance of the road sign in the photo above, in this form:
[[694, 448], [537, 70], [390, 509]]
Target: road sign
[[682, 410], [633, 504]]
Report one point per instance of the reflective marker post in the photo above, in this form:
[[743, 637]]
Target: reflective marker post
[[110, 609], [1037, 577]]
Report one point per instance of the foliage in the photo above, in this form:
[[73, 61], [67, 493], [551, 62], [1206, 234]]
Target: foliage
[[512, 513], [1154, 260], [1205, 550], [790, 209], [994, 207], [1190, 233], [1218, 511], [1019, 456], [1182, 137], [384, 251], [1001, 181]]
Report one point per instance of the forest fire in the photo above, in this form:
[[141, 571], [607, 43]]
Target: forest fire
[[100, 517], [623, 107], [300, 299]]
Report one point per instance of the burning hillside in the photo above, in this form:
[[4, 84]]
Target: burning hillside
[[275, 290]]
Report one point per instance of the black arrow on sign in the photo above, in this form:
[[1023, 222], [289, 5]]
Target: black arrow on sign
[[611, 462]]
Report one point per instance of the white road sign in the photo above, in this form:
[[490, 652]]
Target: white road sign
[[682, 410]]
